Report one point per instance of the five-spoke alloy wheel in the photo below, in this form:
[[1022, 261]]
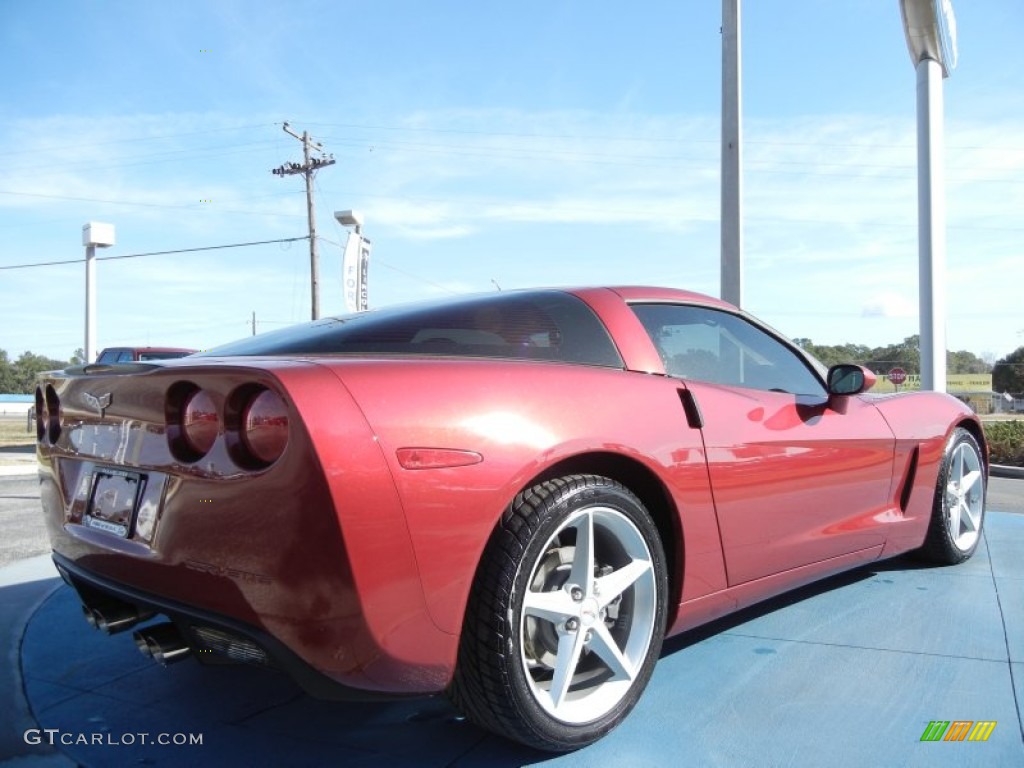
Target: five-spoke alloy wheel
[[566, 617], [959, 508]]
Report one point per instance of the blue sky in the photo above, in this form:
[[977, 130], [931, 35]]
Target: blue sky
[[530, 143]]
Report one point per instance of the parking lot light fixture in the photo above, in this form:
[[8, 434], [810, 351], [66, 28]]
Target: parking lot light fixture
[[350, 219]]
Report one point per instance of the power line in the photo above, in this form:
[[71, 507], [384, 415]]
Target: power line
[[577, 137], [157, 253], [107, 201], [139, 138]]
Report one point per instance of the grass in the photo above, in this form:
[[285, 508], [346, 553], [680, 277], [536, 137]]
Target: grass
[[13, 434]]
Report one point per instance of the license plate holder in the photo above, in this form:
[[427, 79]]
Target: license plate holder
[[113, 501]]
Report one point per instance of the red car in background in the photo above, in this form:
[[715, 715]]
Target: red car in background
[[511, 498]]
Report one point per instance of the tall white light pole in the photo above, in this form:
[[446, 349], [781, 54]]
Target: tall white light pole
[[930, 27], [732, 157], [95, 235]]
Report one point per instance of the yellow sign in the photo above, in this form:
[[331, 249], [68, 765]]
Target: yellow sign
[[955, 382]]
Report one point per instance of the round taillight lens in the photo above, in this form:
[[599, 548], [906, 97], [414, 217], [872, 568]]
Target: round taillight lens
[[52, 423], [265, 427], [200, 422], [41, 416]]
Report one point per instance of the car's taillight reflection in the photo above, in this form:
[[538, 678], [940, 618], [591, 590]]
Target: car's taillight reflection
[[264, 427], [193, 421], [200, 422], [252, 418]]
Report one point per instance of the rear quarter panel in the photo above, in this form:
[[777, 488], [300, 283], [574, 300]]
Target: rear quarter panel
[[523, 418]]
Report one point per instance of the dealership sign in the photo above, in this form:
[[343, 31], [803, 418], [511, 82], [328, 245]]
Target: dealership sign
[[355, 268]]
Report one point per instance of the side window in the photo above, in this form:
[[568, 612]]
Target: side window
[[126, 356], [722, 348]]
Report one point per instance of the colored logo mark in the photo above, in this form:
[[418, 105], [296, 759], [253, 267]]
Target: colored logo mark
[[958, 730]]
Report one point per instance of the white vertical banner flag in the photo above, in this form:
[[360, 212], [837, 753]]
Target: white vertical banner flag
[[351, 272]]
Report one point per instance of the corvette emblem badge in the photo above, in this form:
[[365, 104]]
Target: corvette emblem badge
[[98, 404]]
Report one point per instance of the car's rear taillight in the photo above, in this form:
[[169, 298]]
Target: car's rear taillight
[[200, 422], [40, 415], [252, 418], [264, 425], [50, 415], [193, 421], [256, 419]]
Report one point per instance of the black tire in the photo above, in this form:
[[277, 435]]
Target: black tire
[[958, 512], [508, 674]]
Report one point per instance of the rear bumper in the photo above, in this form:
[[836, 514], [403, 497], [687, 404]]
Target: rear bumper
[[284, 583], [191, 623]]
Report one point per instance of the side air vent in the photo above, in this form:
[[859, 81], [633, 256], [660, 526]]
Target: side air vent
[[694, 417], [908, 479]]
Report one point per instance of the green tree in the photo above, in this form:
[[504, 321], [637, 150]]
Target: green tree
[[30, 365], [1008, 373], [965, 362], [905, 355], [79, 357], [833, 354], [8, 381]]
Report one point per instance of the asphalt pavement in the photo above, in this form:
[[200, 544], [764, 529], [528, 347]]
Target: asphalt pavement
[[847, 672]]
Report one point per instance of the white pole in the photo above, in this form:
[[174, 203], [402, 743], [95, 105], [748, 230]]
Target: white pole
[[732, 159], [931, 206], [90, 304]]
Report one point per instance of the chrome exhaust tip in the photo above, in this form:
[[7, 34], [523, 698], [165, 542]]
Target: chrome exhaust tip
[[162, 643], [112, 618]]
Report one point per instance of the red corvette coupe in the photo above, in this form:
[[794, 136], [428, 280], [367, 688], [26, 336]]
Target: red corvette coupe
[[512, 497]]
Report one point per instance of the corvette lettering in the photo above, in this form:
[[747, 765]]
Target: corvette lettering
[[232, 573]]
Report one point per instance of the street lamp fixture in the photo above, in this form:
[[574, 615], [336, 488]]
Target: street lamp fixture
[[350, 219], [930, 27]]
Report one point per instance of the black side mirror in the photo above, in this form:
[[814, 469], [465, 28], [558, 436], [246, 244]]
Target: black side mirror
[[846, 379]]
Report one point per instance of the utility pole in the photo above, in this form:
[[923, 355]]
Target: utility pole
[[308, 166]]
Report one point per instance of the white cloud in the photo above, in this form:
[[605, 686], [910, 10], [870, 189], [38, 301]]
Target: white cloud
[[889, 305]]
